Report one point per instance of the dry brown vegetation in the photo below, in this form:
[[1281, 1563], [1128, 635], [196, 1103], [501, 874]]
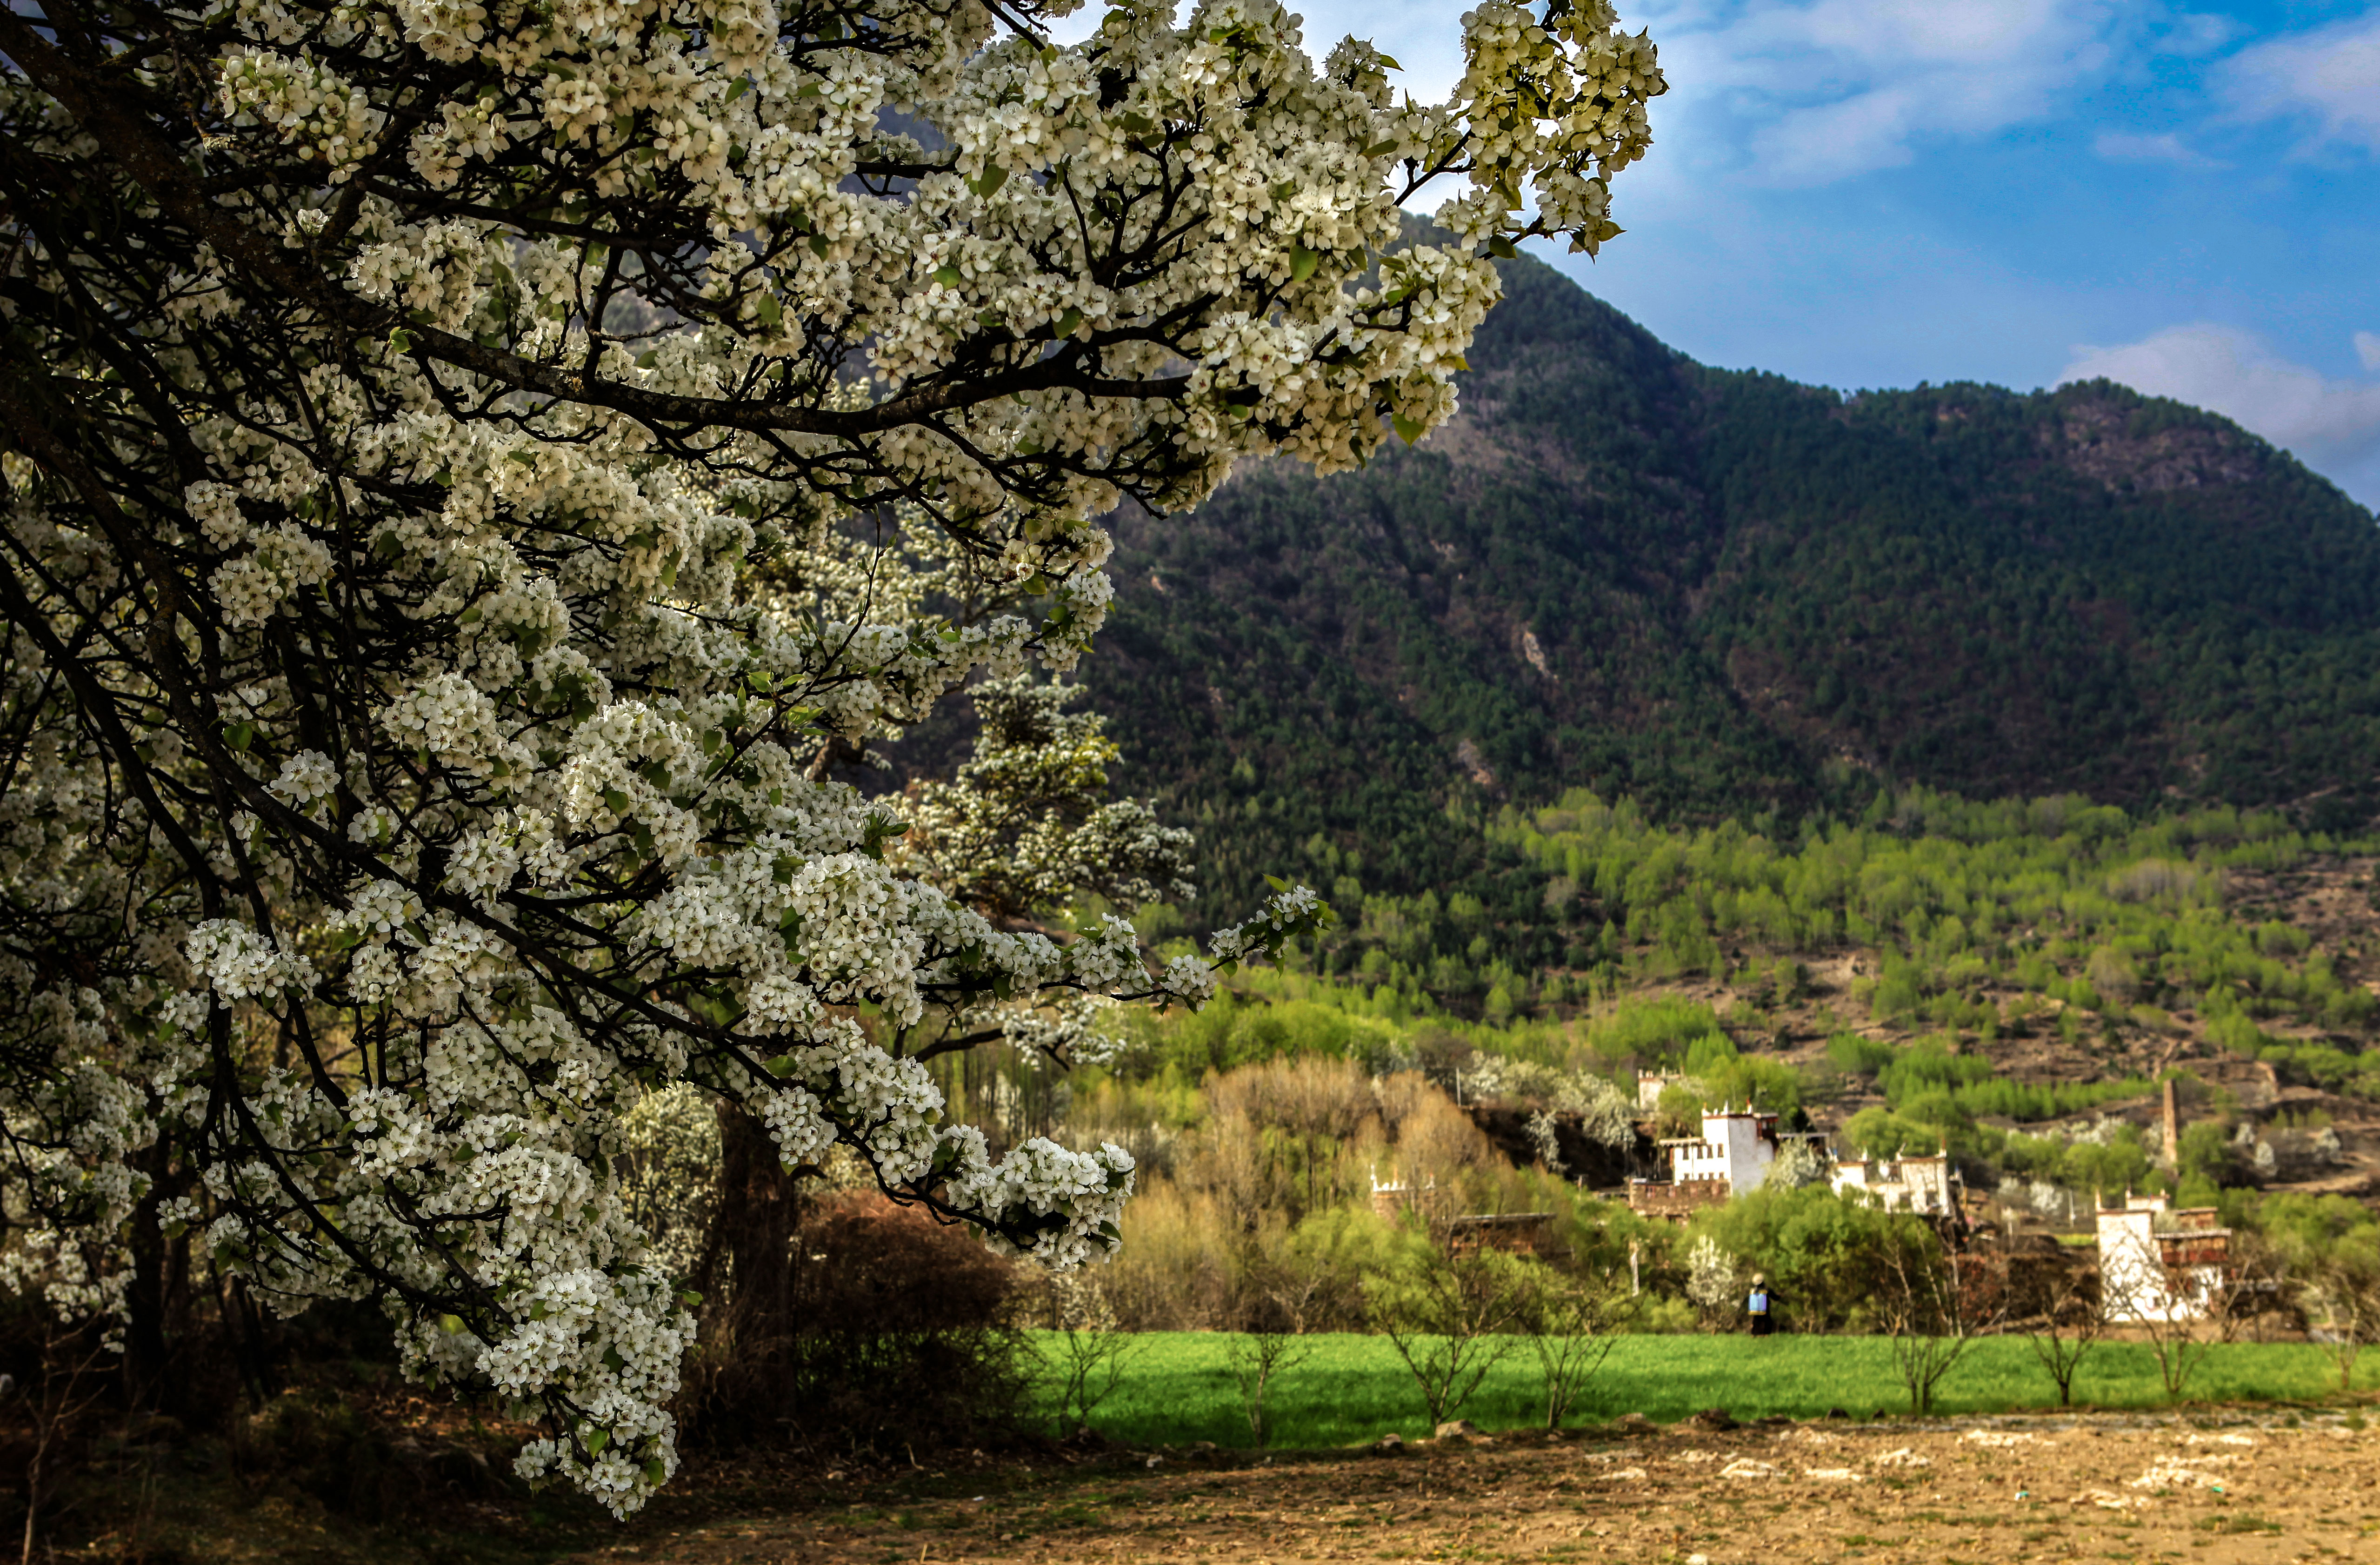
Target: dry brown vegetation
[[1211, 1246]]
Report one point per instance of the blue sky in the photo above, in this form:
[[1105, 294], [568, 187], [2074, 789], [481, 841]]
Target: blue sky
[[1872, 193]]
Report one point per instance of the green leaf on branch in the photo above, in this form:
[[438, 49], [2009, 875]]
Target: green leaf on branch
[[879, 830], [1408, 430], [1302, 262]]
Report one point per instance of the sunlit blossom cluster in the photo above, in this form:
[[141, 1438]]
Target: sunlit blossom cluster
[[529, 448]]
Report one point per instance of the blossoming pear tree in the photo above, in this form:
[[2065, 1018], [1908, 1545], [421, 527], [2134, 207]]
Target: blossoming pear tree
[[468, 464], [1026, 821]]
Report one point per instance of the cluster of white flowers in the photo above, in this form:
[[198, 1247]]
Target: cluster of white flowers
[[1602, 1112], [237, 962], [581, 422]]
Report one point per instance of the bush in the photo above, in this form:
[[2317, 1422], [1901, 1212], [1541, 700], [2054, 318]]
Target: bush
[[1828, 1259], [335, 1448], [846, 1321], [1857, 1055], [1880, 1132]]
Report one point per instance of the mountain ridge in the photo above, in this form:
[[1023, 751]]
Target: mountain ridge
[[1731, 595]]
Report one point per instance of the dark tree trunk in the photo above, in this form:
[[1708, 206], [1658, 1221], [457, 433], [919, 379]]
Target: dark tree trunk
[[148, 1380]]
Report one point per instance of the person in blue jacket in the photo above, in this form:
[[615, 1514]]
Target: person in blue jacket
[[1761, 1306]]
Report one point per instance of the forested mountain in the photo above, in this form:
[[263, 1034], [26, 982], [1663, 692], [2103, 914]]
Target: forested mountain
[[1726, 594]]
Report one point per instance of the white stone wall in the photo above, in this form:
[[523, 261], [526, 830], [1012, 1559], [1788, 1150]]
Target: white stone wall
[[2135, 1283], [1907, 1184], [1732, 1148]]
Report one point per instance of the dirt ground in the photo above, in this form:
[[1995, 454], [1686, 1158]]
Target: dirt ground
[[2212, 1491]]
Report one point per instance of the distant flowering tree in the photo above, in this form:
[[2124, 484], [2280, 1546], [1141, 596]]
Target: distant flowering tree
[[469, 465]]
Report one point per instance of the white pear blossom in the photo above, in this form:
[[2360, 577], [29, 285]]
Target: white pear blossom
[[475, 468]]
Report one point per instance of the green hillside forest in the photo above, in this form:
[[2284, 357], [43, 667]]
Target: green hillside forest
[[1726, 595]]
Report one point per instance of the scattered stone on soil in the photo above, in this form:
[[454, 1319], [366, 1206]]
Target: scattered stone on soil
[[1992, 1494]]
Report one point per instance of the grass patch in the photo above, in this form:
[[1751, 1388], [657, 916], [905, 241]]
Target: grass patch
[[1352, 1388]]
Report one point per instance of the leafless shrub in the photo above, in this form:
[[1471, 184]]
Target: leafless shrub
[[1445, 1313], [2063, 1321], [1933, 1303], [2185, 1303], [1257, 1359], [1570, 1323], [2340, 1291], [1085, 1356]]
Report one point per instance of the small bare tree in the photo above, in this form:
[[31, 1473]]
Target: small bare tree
[[1085, 1356], [66, 1390], [1568, 1322], [2340, 1294], [2064, 1324], [1934, 1303], [1444, 1313], [1257, 1360], [2185, 1300]]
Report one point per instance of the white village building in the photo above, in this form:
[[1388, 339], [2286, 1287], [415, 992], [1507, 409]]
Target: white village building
[[2156, 1263], [1736, 1146], [1901, 1184], [1650, 1084], [1730, 1158]]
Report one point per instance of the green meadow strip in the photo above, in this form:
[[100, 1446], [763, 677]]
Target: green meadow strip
[[1178, 1387]]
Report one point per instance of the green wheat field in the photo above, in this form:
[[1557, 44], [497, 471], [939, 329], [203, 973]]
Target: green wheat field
[[1177, 1387]]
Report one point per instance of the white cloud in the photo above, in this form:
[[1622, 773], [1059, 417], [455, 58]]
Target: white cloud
[[2330, 76], [1828, 89], [2189, 33], [2326, 422], [2116, 147]]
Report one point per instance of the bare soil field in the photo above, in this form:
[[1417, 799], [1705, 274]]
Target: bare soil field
[[2217, 1489]]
